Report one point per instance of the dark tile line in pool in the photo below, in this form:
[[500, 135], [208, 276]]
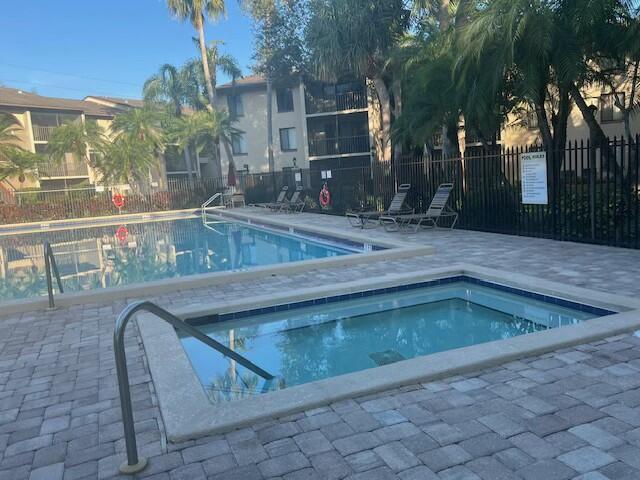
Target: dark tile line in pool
[[401, 288], [312, 235]]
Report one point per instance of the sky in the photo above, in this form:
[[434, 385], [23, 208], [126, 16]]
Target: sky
[[75, 48]]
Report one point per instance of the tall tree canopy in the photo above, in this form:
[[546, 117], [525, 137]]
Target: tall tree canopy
[[356, 38]]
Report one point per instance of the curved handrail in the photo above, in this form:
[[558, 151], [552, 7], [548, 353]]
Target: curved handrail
[[213, 198], [134, 463], [49, 263]]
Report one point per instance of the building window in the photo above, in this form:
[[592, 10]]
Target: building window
[[284, 99], [236, 108], [239, 144], [609, 111], [288, 141]]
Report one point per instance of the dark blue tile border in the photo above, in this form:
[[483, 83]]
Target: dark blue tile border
[[597, 311], [336, 241]]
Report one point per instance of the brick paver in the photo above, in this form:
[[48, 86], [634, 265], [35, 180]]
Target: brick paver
[[573, 413]]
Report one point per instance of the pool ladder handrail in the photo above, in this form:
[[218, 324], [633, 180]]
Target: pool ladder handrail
[[214, 197], [135, 463], [49, 264]]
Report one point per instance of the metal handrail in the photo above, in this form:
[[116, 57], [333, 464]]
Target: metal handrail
[[210, 201], [50, 262], [135, 463]]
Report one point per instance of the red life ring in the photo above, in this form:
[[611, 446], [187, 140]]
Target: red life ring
[[122, 233], [325, 196], [118, 200]]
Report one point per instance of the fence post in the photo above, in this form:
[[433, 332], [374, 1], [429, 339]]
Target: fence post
[[592, 187]]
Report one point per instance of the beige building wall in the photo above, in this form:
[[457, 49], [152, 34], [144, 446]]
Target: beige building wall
[[254, 125], [516, 132], [25, 141]]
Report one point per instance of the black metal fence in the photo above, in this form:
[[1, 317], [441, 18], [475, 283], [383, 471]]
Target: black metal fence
[[593, 192]]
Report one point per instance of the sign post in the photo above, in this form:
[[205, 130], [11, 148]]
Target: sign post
[[533, 172]]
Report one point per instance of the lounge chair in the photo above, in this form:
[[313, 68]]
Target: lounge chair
[[371, 218], [437, 209], [296, 202], [282, 197], [292, 205]]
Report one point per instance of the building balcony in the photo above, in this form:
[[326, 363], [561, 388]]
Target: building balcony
[[67, 168], [341, 102], [42, 134], [338, 146]]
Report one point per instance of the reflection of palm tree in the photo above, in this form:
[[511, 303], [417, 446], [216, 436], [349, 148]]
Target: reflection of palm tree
[[226, 387], [141, 264], [27, 284]]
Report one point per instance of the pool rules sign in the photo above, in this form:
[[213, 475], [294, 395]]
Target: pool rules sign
[[534, 178]]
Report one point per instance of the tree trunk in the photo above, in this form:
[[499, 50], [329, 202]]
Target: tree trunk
[[187, 159], [596, 134], [627, 124], [443, 14], [396, 89], [211, 92], [385, 113], [272, 166], [560, 122]]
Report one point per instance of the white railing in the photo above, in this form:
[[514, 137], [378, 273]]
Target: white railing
[[42, 134], [208, 203]]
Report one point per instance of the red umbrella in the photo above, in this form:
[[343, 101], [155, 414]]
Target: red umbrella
[[231, 176]]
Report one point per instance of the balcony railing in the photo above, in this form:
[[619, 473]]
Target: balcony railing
[[336, 103], [338, 146], [351, 101], [67, 168], [42, 134]]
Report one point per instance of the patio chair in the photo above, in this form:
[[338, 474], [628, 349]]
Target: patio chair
[[293, 205], [282, 197], [371, 218], [437, 209], [296, 203]]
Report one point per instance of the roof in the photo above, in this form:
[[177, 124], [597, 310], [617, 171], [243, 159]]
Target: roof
[[245, 82], [117, 101], [13, 97]]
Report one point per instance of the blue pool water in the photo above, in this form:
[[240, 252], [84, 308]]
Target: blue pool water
[[116, 255], [313, 343]]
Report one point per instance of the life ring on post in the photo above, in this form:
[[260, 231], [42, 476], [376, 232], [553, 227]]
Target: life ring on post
[[325, 196], [122, 234], [118, 200]]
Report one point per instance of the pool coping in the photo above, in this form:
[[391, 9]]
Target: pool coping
[[90, 222], [188, 413], [394, 250]]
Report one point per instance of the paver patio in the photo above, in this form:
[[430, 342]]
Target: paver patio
[[573, 413]]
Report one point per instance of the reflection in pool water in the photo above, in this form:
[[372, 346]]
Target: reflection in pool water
[[107, 256]]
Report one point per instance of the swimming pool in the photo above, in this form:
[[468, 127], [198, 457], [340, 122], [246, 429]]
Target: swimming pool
[[327, 337], [100, 257]]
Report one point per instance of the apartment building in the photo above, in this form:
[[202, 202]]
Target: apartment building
[[39, 116], [521, 129], [315, 125]]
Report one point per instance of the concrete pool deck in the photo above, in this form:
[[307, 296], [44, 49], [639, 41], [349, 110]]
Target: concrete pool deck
[[559, 415]]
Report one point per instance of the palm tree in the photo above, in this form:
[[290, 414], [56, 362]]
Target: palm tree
[[170, 86], [196, 11], [279, 49], [203, 129], [355, 37], [137, 142], [15, 161], [76, 138]]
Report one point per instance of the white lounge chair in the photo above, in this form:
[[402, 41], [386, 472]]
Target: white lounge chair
[[282, 197], [412, 222], [371, 218]]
